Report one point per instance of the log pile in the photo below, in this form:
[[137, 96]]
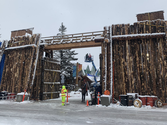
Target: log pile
[[140, 61]]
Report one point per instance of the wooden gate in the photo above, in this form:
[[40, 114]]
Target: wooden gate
[[50, 78]]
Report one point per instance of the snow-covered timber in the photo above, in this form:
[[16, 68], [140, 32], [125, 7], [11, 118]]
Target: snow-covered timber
[[140, 58], [22, 68], [19, 63]]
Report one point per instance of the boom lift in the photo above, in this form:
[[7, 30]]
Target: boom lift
[[95, 85]]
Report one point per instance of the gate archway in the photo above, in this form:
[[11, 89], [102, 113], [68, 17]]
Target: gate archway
[[84, 40]]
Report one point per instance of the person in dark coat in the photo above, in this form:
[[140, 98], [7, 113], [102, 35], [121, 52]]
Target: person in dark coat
[[84, 90]]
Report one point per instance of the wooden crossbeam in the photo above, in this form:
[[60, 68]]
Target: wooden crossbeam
[[52, 62], [51, 92], [52, 70], [73, 45], [51, 82]]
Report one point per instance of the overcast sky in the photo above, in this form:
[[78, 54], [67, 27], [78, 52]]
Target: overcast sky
[[78, 16]]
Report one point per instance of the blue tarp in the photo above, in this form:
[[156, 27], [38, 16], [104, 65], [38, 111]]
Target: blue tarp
[[1, 66], [74, 71]]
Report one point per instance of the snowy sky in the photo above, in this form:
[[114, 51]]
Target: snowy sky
[[78, 16]]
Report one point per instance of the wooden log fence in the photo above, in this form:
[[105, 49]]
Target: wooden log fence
[[23, 69], [140, 58]]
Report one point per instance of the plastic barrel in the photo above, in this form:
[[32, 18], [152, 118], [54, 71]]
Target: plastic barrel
[[143, 99], [124, 100], [150, 101], [130, 100]]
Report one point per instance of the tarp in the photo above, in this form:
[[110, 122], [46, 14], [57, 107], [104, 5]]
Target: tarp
[[2, 66]]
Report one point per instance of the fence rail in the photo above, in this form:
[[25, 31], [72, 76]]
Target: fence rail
[[79, 37]]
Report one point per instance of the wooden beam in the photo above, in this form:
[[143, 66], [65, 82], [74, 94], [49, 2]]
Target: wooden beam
[[50, 92], [51, 82], [72, 45], [77, 74], [52, 70]]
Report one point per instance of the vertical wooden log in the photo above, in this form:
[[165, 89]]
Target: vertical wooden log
[[162, 70], [132, 66], [128, 65], [157, 68], [116, 73], [21, 70], [138, 66], [152, 67], [125, 68], [122, 68], [108, 67], [165, 62], [145, 66], [103, 66]]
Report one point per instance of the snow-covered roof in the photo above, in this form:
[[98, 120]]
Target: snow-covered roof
[[92, 78]]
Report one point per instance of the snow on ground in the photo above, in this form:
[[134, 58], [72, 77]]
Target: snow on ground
[[76, 95], [77, 113]]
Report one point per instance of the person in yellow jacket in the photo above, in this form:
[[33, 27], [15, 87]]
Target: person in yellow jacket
[[63, 94]]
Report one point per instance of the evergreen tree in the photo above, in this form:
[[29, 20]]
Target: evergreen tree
[[62, 29], [65, 56], [87, 70], [93, 71]]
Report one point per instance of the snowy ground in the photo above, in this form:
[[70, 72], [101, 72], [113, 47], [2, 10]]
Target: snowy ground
[[50, 112]]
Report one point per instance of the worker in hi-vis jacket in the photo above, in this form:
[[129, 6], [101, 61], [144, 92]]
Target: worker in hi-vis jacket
[[63, 94]]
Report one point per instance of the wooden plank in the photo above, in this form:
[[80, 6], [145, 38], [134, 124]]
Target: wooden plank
[[50, 92], [51, 82], [52, 70], [72, 45]]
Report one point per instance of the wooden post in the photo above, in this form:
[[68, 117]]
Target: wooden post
[[77, 75], [103, 65], [42, 79]]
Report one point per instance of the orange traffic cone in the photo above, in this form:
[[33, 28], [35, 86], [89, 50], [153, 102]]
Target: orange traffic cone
[[87, 103]]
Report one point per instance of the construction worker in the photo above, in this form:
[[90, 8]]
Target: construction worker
[[63, 94]]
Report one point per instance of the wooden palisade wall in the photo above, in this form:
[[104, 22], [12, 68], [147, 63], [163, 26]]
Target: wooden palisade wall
[[23, 60], [140, 60]]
